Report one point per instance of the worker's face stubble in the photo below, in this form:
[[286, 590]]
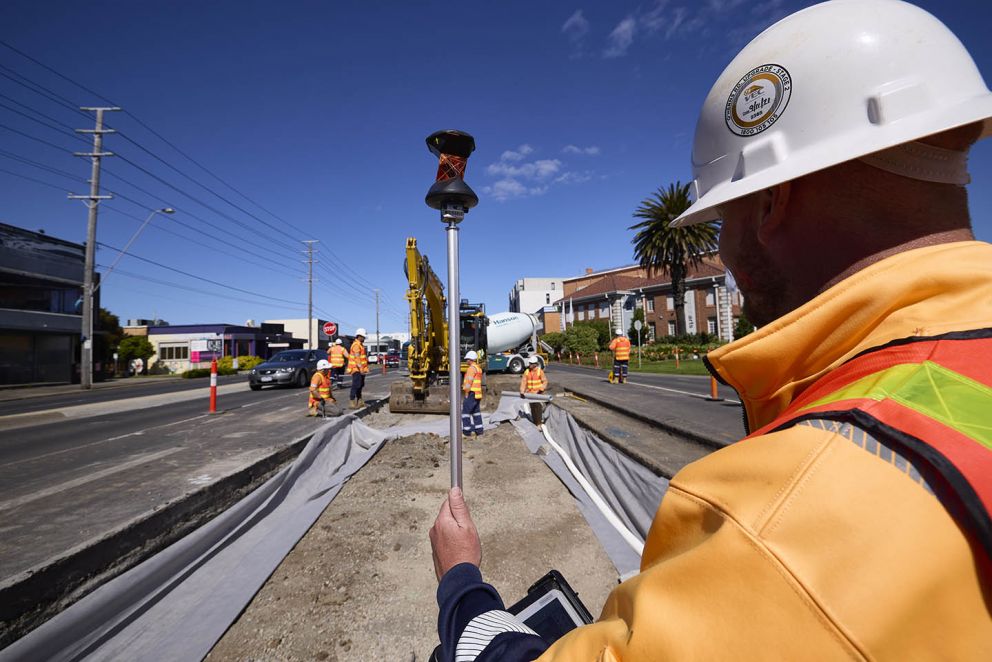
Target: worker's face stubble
[[763, 285]]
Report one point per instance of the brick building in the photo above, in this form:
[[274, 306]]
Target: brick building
[[614, 294]]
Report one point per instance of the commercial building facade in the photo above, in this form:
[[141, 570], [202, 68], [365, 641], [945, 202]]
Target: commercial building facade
[[187, 346], [41, 281]]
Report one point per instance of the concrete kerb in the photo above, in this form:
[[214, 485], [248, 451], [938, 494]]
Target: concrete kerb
[[679, 431], [30, 598]]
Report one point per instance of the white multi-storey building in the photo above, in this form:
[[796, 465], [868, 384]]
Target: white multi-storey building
[[531, 295]]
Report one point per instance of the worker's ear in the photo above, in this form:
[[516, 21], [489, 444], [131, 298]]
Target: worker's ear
[[773, 211]]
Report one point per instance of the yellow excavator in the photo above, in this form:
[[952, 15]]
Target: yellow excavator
[[426, 391]]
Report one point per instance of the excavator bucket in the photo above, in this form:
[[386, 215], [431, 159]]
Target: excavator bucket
[[403, 399]]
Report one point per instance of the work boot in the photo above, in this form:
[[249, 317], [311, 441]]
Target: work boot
[[353, 404], [361, 402]]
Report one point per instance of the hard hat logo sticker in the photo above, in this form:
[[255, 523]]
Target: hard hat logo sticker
[[758, 99]]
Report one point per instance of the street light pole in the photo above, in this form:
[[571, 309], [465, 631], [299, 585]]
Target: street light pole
[[164, 210]]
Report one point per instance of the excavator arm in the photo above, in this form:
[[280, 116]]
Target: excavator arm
[[427, 354]]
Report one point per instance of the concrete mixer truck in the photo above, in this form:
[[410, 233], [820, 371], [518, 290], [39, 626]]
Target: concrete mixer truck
[[507, 339]]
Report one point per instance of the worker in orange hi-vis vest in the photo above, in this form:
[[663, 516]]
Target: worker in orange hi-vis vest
[[358, 367], [337, 356], [533, 380], [472, 390], [320, 388], [620, 346]]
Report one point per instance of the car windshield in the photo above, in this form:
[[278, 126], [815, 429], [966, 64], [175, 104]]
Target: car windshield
[[291, 355]]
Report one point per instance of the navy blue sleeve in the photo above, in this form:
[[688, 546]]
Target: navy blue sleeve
[[461, 596]]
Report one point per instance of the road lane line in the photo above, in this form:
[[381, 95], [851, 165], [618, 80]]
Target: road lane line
[[89, 478], [675, 390], [118, 437]]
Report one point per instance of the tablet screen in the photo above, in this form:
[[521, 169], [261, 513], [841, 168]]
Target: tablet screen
[[551, 616]]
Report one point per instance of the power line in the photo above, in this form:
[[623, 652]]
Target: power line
[[226, 297], [206, 280]]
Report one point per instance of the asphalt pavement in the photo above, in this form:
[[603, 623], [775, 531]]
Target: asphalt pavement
[[72, 480], [680, 404]]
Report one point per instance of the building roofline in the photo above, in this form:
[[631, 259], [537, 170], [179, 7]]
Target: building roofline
[[41, 235]]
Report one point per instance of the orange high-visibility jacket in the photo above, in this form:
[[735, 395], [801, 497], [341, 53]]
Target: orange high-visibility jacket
[[620, 346], [358, 360], [337, 355], [322, 385], [534, 380], [472, 383], [813, 542]]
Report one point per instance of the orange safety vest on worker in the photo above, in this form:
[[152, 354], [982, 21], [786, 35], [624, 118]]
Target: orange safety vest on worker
[[620, 346], [322, 384], [337, 355], [534, 380], [472, 383], [780, 538], [358, 360]]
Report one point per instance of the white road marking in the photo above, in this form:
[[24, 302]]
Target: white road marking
[[88, 478], [675, 390]]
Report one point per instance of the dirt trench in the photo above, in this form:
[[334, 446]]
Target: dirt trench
[[360, 584]]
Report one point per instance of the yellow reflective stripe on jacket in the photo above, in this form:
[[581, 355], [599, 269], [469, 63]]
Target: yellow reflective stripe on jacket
[[323, 386], [621, 349], [536, 382], [337, 356], [358, 360], [473, 381]]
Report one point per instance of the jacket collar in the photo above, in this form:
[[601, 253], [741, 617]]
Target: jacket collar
[[920, 292]]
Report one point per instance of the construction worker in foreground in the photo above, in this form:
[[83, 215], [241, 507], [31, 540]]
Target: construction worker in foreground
[[320, 388], [620, 346], [337, 356], [358, 367], [853, 520], [472, 392], [533, 380]]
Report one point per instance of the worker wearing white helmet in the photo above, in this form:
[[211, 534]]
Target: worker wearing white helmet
[[320, 388], [472, 393], [337, 356], [620, 346], [853, 522], [533, 380], [358, 367]]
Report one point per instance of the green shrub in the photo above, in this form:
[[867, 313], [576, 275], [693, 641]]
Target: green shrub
[[244, 362], [205, 372]]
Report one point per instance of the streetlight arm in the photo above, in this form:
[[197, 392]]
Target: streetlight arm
[[167, 210]]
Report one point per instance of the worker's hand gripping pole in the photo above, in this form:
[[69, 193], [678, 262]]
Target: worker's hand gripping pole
[[453, 198]]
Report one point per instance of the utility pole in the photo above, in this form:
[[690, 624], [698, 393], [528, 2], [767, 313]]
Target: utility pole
[[92, 202], [310, 243], [378, 338]]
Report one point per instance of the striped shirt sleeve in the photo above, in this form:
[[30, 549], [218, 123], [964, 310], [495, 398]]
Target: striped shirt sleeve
[[474, 626]]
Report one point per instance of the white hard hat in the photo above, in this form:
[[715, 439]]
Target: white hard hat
[[532, 360], [338, 342], [360, 332], [618, 331], [472, 356], [323, 364], [831, 83]]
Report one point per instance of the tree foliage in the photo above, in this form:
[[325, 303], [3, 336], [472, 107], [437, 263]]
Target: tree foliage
[[660, 248], [135, 347], [582, 339], [742, 327], [555, 340]]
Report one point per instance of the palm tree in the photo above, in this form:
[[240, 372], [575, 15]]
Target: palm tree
[[660, 248]]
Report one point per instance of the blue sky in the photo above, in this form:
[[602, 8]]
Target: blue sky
[[313, 116]]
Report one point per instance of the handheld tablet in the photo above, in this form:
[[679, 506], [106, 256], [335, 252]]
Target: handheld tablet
[[551, 608]]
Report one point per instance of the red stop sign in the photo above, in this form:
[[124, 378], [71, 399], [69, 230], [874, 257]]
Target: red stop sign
[[330, 328]]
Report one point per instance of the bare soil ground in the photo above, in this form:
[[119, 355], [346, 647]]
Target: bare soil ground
[[360, 585]]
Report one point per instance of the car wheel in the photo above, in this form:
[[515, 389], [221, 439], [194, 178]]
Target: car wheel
[[301, 379], [255, 387], [515, 366]]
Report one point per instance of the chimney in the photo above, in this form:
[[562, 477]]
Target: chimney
[[588, 270]]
